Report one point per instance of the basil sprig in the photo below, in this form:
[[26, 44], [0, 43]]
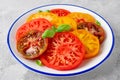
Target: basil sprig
[[49, 33]]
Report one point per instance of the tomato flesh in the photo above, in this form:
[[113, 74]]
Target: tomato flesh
[[60, 12], [39, 24], [65, 51], [32, 45]]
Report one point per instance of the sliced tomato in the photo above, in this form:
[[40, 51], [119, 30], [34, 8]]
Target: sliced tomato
[[81, 17], [31, 45], [65, 51], [65, 20], [47, 15], [93, 28], [39, 24], [60, 12], [90, 42]]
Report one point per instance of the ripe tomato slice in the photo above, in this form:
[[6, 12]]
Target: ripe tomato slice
[[81, 17], [65, 51], [60, 12], [65, 20], [39, 24], [90, 42], [31, 45], [47, 15], [93, 28]]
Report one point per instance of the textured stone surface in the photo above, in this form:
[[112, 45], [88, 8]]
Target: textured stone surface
[[10, 69]]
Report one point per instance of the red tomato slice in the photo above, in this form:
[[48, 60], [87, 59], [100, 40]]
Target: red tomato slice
[[60, 12], [32, 45], [40, 24], [65, 51]]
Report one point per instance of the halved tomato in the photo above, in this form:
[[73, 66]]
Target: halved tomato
[[65, 51], [39, 24], [93, 28], [65, 20], [60, 12], [90, 42], [47, 15], [31, 45], [81, 17]]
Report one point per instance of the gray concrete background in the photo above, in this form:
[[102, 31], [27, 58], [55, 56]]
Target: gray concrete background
[[10, 69]]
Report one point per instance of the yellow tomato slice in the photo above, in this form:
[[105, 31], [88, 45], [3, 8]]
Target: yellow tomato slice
[[90, 42], [65, 20], [77, 16], [47, 15]]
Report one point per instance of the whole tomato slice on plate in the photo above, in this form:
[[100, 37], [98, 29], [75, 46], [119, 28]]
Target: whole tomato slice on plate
[[60, 12], [65, 51], [39, 24], [90, 42], [31, 45], [93, 28]]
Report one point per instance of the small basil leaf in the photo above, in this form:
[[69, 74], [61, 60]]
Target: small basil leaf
[[47, 10], [63, 27], [38, 62], [40, 11], [98, 23], [48, 34]]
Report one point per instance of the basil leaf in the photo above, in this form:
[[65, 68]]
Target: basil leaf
[[98, 23], [40, 11], [48, 33], [47, 10], [63, 27], [38, 62]]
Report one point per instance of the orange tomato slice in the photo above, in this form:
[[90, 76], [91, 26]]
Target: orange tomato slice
[[65, 20], [90, 42], [84, 17], [47, 15]]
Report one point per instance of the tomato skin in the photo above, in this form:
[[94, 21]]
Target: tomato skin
[[60, 12], [93, 28], [65, 52], [31, 45], [39, 24]]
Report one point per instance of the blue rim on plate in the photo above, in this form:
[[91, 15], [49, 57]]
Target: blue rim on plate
[[51, 74]]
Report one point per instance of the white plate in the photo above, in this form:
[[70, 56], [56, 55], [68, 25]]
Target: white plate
[[88, 65]]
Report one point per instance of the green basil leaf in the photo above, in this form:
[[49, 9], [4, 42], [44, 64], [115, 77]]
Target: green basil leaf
[[63, 27], [48, 33], [40, 11], [47, 10], [98, 23], [38, 62]]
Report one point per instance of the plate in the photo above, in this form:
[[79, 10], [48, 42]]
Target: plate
[[88, 65]]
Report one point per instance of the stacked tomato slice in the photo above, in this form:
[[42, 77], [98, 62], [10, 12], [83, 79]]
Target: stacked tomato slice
[[65, 50]]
